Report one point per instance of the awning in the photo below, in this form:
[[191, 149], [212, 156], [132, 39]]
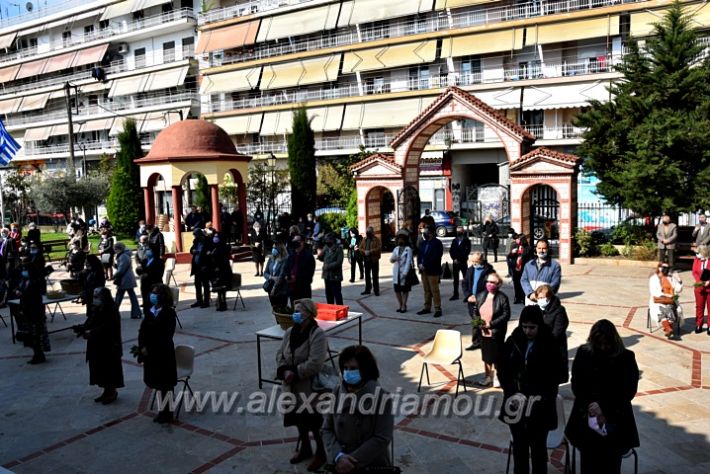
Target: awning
[[8, 74], [390, 113], [242, 80], [7, 40], [642, 22], [326, 119], [34, 68], [37, 134], [578, 30], [299, 23], [95, 86], [90, 55], [309, 71], [57, 63], [96, 125], [389, 56], [153, 121], [481, 43], [10, 106], [441, 4], [365, 11], [234, 36], [271, 126], [165, 79], [34, 102], [353, 116], [127, 85], [60, 94], [143, 4], [117, 127], [57, 130], [241, 124], [119, 9]]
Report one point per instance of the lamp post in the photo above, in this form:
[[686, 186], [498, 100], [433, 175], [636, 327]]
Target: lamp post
[[272, 197]]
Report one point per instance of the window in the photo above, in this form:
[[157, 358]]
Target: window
[[27, 43], [375, 85], [167, 7], [66, 38], [186, 4], [439, 200], [188, 47], [103, 24], [470, 71], [378, 30], [139, 15], [169, 51], [419, 78], [139, 57], [88, 31]]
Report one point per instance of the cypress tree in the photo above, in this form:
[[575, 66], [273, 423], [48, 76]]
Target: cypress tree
[[124, 203], [302, 164]]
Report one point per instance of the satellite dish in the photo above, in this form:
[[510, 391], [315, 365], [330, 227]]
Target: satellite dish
[[29, 7]]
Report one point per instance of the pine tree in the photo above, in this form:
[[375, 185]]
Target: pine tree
[[125, 199], [302, 165], [650, 145]]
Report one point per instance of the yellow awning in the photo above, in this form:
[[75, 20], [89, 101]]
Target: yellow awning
[[34, 102], [353, 116], [578, 30], [57, 63], [165, 79], [277, 123], [7, 40], [10, 106], [364, 11], [37, 134], [309, 71], [96, 125], [481, 43], [57, 130], [235, 36], [299, 23], [441, 4], [95, 86], [241, 80], [326, 119], [393, 113], [90, 55], [119, 9], [390, 56], [127, 85], [117, 126], [240, 125]]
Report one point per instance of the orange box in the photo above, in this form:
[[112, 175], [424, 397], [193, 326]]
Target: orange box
[[331, 312]]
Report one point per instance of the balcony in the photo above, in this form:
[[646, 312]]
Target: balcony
[[384, 86], [33, 148], [243, 9], [434, 22], [114, 30], [43, 12]]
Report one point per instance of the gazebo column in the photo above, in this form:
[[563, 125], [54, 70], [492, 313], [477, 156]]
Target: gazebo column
[[214, 192], [149, 202], [177, 217]]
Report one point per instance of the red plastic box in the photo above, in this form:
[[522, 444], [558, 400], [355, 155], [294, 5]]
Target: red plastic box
[[331, 312]]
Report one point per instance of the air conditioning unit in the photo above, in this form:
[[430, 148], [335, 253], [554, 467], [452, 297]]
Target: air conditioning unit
[[123, 48]]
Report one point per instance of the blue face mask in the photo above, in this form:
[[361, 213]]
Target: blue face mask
[[34, 252], [149, 254], [352, 377], [153, 299], [215, 240], [477, 266], [25, 274], [274, 252], [297, 317]]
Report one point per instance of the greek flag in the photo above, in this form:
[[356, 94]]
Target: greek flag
[[8, 146]]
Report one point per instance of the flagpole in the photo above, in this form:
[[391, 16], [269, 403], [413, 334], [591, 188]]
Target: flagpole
[[2, 200]]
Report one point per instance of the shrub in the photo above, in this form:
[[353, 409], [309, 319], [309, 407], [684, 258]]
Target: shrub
[[646, 251], [608, 250], [332, 222], [630, 234], [585, 243]]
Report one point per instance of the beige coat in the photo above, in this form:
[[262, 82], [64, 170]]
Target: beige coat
[[366, 437], [308, 358]]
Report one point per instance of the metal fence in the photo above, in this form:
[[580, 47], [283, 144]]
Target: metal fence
[[594, 216]]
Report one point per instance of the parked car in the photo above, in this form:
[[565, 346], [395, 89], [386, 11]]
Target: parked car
[[445, 222], [543, 228]]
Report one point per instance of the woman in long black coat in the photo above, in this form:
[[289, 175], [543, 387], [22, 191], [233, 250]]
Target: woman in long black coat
[[30, 286], [489, 232], [91, 277], [102, 331], [555, 316], [529, 390], [257, 238], [221, 269], [156, 348], [604, 381], [151, 273]]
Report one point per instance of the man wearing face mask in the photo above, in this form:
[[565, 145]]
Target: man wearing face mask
[[429, 263], [221, 268], [459, 251], [332, 257], [667, 234], [540, 271], [302, 266], [371, 250], [555, 317], [152, 269], [701, 232], [156, 241], [201, 268], [475, 284]]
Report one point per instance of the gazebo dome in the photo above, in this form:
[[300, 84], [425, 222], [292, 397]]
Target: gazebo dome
[[192, 139]]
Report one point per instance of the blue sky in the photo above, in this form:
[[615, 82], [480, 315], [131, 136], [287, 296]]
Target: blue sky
[[12, 8]]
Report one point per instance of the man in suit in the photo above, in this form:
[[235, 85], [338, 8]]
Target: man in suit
[[371, 250], [459, 250], [701, 233], [429, 262], [667, 234]]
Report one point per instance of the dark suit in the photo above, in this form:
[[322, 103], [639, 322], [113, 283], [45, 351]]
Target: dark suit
[[302, 266], [459, 252]]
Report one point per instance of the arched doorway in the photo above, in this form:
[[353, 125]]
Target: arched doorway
[[409, 208], [159, 209], [232, 195], [380, 212], [543, 214]]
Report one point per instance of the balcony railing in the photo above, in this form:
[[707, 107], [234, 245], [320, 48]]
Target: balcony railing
[[412, 25], [384, 86], [43, 11], [113, 30], [33, 148], [243, 9]]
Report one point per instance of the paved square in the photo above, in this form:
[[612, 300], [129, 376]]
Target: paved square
[[49, 423]]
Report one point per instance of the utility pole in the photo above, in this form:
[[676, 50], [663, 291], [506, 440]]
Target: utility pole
[[70, 123]]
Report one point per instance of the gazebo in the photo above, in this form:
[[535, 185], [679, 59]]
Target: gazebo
[[185, 148]]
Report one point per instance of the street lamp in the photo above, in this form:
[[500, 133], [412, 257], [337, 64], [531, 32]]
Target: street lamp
[[272, 191]]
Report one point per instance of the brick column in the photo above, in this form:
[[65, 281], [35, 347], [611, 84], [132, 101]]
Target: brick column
[[214, 192], [149, 203], [177, 217]]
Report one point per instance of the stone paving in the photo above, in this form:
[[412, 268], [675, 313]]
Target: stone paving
[[49, 423]]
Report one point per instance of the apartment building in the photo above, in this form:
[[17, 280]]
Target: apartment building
[[365, 68], [119, 59]]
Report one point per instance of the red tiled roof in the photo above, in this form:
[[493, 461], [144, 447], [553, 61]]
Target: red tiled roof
[[544, 151], [471, 99], [388, 158]]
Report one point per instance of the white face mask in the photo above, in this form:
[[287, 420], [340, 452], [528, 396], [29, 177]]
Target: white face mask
[[543, 302]]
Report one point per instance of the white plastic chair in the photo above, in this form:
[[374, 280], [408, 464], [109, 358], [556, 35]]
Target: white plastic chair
[[185, 359], [555, 438], [175, 292], [446, 350], [169, 271]]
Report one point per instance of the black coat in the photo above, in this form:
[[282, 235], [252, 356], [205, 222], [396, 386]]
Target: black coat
[[152, 273], [467, 286], [555, 316], [489, 231], [533, 377], [156, 336], [104, 347], [257, 252], [156, 242], [612, 382], [459, 251], [221, 267], [91, 279], [501, 313], [306, 266], [200, 257]]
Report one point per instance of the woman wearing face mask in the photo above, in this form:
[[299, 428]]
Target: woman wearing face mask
[[277, 271], [520, 253], [91, 277], [257, 236], [490, 238], [555, 317], [106, 252], [156, 348], [301, 356], [358, 432], [701, 274], [332, 257], [604, 381], [222, 268], [102, 331], [354, 256], [493, 309], [29, 290], [664, 288], [152, 269], [401, 259]]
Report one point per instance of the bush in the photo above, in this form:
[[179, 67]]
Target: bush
[[608, 250], [585, 243], [332, 222], [646, 251], [351, 216], [630, 234]]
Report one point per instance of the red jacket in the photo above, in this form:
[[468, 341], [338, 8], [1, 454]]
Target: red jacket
[[698, 268]]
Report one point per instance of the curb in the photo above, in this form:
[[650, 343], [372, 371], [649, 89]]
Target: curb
[[618, 262]]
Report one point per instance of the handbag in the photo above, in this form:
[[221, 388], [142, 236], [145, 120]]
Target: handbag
[[412, 279], [705, 275], [446, 272], [106, 258], [268, 285]]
